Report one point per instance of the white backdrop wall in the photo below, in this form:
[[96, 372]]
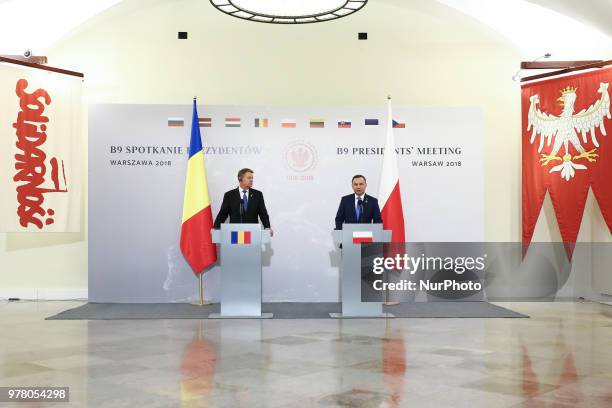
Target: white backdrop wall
[[136, 181], [421, 52]]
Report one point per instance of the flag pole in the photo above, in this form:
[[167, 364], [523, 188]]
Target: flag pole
[[200, 280], [387, 302], [202, 253], [201, 285]]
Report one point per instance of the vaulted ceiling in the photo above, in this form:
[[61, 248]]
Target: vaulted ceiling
[[525, 22], [595, 13]]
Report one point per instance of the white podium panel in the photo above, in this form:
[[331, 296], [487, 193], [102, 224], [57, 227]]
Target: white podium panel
[[350, 285], [241, 270]]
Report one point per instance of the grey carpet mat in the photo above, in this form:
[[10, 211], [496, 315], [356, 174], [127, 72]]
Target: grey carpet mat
[[281, 310]]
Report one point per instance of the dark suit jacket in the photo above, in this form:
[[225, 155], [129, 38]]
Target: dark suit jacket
[[231, 207], [346, 211]]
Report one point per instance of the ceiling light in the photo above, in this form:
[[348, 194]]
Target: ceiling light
[[288, 11]]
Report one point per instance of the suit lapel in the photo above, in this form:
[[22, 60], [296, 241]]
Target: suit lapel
[[250, 202], [354, 207]]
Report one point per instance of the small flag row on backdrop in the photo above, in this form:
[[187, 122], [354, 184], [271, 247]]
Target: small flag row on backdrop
[[285, 123], [176, 122]]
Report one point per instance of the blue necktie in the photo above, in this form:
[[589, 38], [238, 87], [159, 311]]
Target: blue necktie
[[245, 200], [357, 211]]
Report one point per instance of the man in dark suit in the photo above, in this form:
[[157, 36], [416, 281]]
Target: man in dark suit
[[244, 204], [358, 208]]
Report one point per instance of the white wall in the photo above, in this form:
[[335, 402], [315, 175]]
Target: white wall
[[420, 52]]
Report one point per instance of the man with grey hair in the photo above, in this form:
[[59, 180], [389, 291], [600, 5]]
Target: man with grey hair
[[244, 204]]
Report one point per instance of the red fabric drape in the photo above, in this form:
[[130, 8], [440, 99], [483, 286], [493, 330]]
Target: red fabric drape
[[568, 196]]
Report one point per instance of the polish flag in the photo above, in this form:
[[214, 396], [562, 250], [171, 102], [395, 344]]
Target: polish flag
[[389, 195], [362, 237]]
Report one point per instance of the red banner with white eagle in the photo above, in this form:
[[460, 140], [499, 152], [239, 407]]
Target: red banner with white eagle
[[40, 151], [566, 150]]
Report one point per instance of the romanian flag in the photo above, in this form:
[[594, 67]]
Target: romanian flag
[[196, 240], [241, 237], [362, 237]]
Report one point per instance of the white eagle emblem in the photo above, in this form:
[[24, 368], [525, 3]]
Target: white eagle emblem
[[564, 129]]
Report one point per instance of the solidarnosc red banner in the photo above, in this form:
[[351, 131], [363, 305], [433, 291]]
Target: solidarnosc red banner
[[566, 150], [40, 151]]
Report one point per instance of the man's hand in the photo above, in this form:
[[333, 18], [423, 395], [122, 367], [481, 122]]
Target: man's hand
[[271, 231]]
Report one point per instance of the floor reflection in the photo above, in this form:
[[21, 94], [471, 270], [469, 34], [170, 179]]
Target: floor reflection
[[394, 365], [560, 357], [198, 369]]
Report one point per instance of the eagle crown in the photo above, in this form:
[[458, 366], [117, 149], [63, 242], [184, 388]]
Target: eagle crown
[[568, 97], [569, 89]]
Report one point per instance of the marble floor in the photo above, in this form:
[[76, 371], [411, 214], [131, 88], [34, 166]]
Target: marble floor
[[560, 357]]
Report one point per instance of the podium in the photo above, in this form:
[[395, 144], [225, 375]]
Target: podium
[[241, 270], [350, 271]]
